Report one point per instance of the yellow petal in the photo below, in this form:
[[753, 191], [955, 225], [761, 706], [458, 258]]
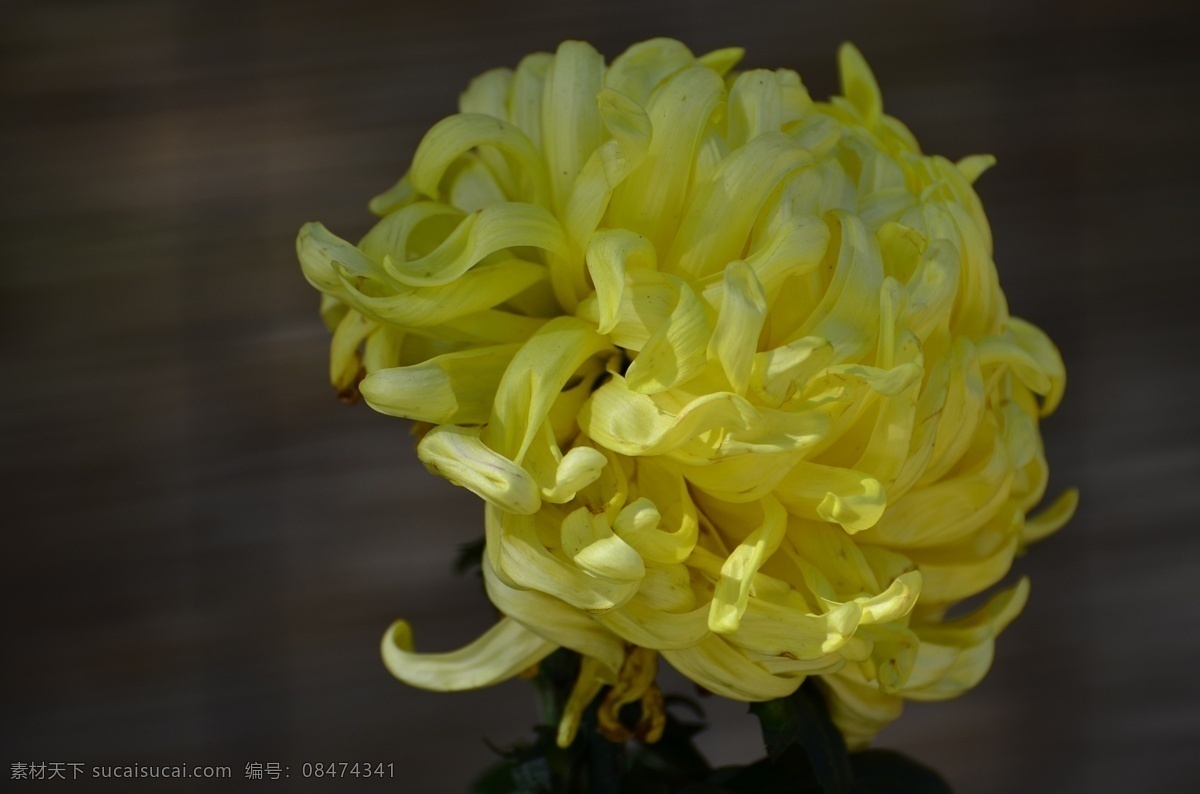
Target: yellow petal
[[1035, 342], [323, 256], [645, 304], [633, 424], [755, 106], [848, 313], [571, 128], [721, 211], [452, 136], [958, 570], [587, 686], [487, 93], [578, 468], [750, 476], [382, 349], [735, 338], [665, 536], [858, 83], [459, 455], [794, 249], [715, 665], [858, 708], [950, 509], [503, 651], [455, 388], [974, 165], [961, 411], [1052, 518], [644, 66], [421, 307], [557, 622], [829, 493], [723, 60], [610, 255], [591, 544], [778, 630], [521, 559], [893, 655], [396, 197], [344, 361], [480, 234], [676, 351], [650, 627], [490, 326], [733, 588], [954, 656], [776, 373], [533, 381], [650, 201], [526, 94], [931, 290]]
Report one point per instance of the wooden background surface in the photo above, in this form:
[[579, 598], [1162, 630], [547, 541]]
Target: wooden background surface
[[202, 547]]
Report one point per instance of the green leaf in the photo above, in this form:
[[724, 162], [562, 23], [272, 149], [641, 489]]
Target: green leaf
[[533, 776], [790, 773], [497, 779], [889, 772], [802, 720], [469, 556]]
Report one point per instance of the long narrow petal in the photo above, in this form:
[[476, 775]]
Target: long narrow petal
[[503, 651], [557, 622], [717, 666], [454, 388], [733, 588]]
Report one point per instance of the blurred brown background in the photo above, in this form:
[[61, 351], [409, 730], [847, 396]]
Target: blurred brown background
[[202, 547]]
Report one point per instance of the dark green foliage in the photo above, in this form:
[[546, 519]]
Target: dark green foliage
[[469, 556], [805, 753], [889, 772]]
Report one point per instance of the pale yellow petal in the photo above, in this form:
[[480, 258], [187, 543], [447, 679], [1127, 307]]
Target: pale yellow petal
[[587, 686], [452, 136], [557, 622], [534, 380], [503, 651], [633, 424], [610, 255], [571, 128], [526, 94], [715, 665], [345, 363], [650, 201], [846, 497], [734, 340], [858, 83], [733, 588], [592, 545], [974, 165], [721, 212], [1051, 519], [639, 70], [455, 388], [459, 455], [949, 510], [1035, 342], [479, 235], [723, 60], [677, 350], [521, 559]]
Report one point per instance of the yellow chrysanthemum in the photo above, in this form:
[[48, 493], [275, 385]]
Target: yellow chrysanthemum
[[731, 369]]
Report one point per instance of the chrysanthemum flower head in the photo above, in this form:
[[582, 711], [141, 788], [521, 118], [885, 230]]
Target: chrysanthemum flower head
[[730, 368]]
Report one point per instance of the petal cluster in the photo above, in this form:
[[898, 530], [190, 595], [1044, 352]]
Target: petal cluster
[[730, 368]]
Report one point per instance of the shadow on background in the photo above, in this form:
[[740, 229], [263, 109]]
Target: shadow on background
[[203, 548]]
